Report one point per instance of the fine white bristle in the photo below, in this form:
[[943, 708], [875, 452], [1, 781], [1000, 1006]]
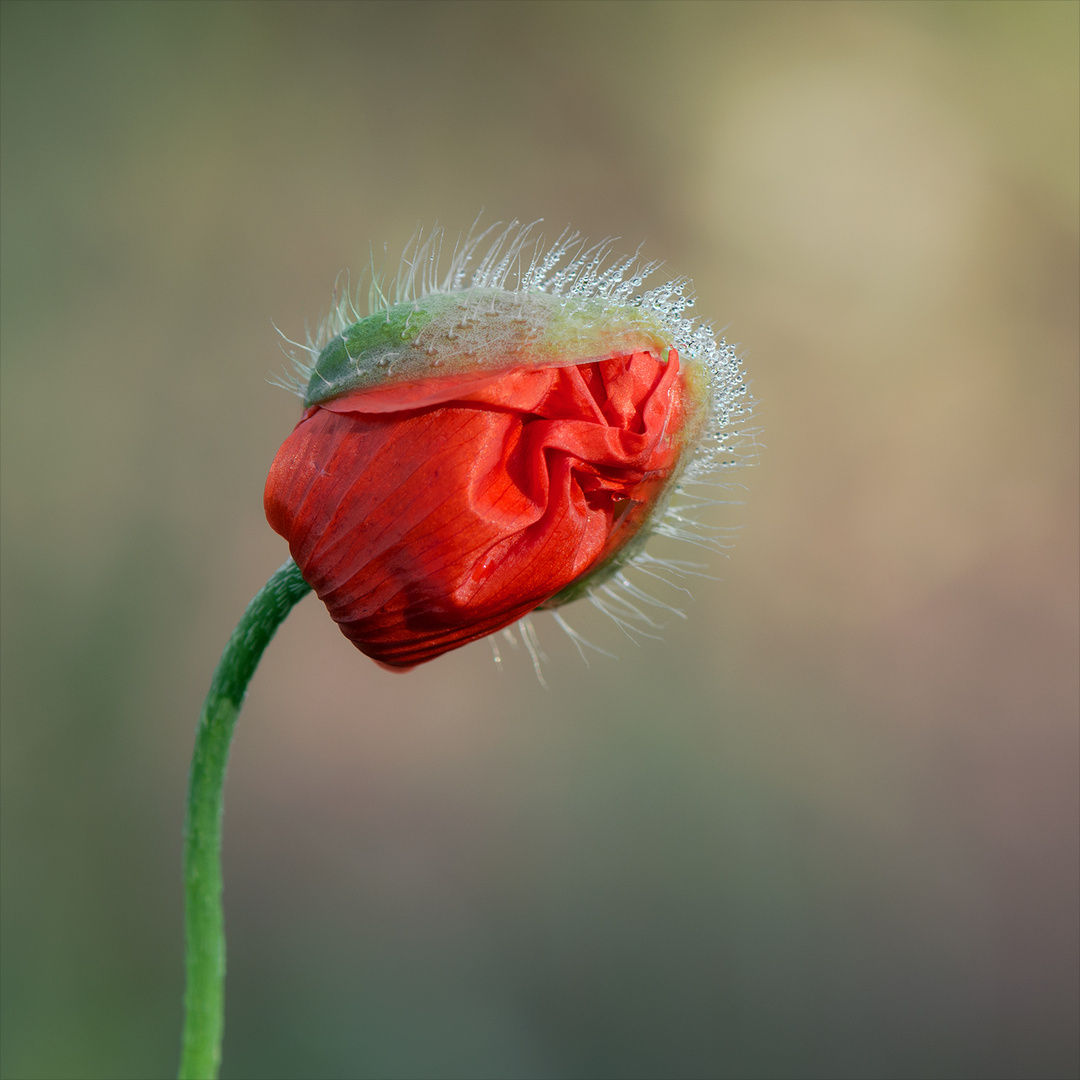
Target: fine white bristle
[[516, 258]]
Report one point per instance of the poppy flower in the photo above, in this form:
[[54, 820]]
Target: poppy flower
[[467, 454]]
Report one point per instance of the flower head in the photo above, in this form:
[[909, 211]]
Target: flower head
[[470, 452]]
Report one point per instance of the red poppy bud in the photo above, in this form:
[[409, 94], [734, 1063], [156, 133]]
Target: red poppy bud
[[471, 454]]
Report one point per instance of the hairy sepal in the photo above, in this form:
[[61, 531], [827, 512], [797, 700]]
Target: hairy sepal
[[479, 330]]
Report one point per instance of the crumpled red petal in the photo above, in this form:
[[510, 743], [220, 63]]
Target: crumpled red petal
[[426, 515]]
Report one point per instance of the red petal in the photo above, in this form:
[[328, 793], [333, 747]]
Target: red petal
[[429, 514]]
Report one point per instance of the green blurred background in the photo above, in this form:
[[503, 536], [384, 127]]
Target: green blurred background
[[825, 827]]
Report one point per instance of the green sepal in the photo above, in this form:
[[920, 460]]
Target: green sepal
[[479, 330]]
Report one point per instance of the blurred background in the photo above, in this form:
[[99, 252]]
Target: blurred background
[[828, 825]]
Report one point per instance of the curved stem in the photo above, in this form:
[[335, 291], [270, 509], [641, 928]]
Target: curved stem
[[204, 999]]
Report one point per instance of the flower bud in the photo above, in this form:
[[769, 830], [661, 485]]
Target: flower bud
[[470, 453]]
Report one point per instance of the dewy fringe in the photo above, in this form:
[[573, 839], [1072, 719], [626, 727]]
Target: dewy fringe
[[518, 259]]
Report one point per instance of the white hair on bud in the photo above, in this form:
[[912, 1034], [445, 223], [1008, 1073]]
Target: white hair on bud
[[517, 259]]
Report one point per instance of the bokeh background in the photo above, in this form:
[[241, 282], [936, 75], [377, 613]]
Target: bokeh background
[[828, 825]]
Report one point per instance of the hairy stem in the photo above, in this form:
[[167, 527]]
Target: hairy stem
[[204, 923]]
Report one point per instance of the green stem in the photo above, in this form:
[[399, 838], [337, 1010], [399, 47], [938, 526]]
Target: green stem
[[204, 1000]]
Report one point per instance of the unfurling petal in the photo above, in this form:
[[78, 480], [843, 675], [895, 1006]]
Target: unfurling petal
[[430, 513]]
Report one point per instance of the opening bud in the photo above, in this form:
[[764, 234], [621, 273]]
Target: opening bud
[[468, 453]]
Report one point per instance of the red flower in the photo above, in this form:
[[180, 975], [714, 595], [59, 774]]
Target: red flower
[[429, 513], [471, 452]]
